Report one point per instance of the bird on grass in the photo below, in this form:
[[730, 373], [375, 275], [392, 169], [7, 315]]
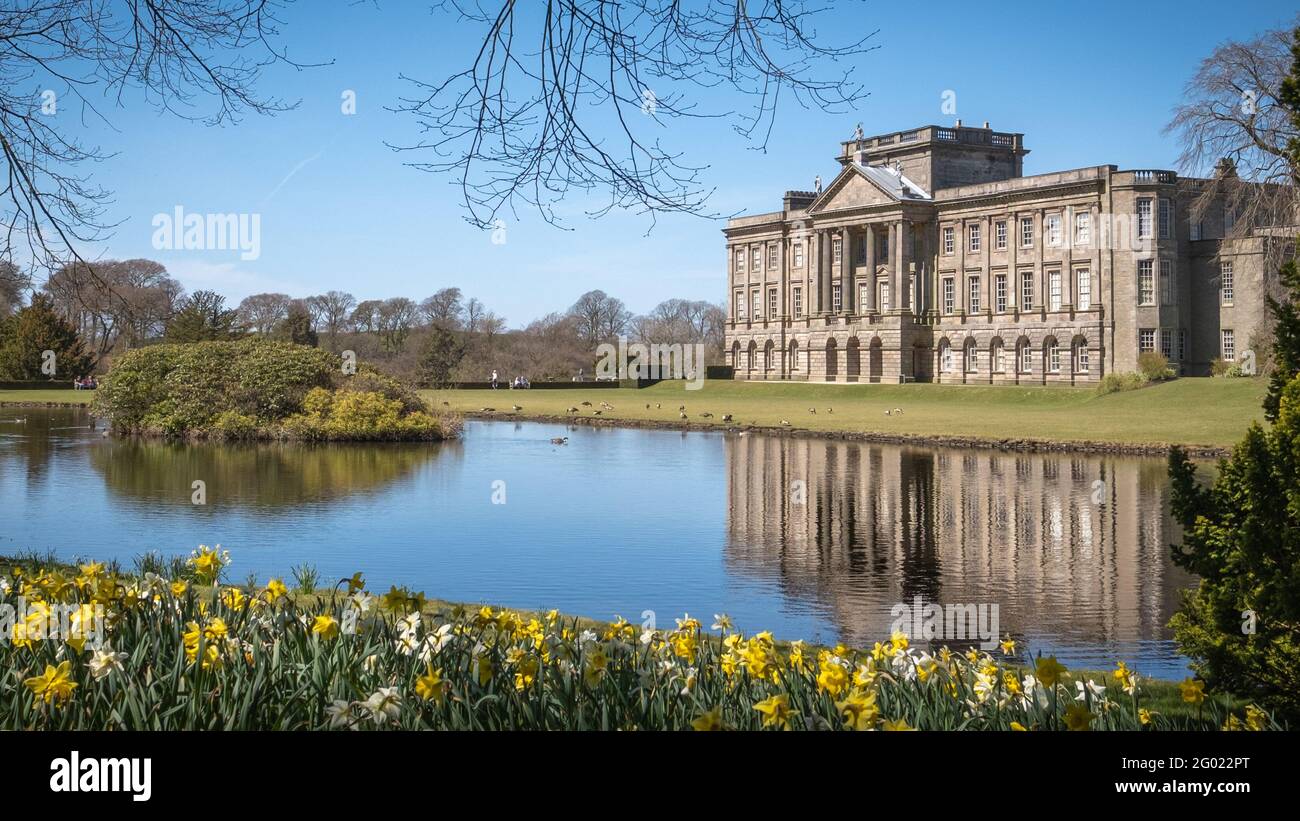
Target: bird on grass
[[571, 410], [658, 406], [785, 423], [487, 410], [726, 417], [560, 440], [830, 410], [586, 404], [812, 410], [682, 414], [681, 407], [596, 413], [706, 415], [898, 411], [647, 406], [517, 407], [446, 404]]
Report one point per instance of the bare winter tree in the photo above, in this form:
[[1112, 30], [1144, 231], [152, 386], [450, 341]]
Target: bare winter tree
[[1236, 135], [332, 310], [60, 60], [599, 316], [443, 309], [125, 302], [473, 314], [260, 313], [570, 95]]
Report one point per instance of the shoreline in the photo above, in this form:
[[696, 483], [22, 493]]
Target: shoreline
[[1017, 445], [1021, 445]]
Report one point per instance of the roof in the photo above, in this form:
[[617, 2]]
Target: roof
[[893, 181]]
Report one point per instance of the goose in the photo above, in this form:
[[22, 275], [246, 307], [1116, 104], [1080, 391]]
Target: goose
[[446, 404], [647, 406], [830, 410], [898, 411], [487, 410], [517, 407], [681, 407], [682, 414], [726, 417], [596, 413], [559, 440], [586, 404], [785, 423], [657, 406], [812, 410], [706, 415], [886, 411], [571, 410]]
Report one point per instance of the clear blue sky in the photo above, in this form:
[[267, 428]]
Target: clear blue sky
[[1087, 84]]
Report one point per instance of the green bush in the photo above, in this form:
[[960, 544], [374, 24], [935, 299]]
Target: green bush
[[1116, 382], [1154, 366], [259, 389], [1241, 625]]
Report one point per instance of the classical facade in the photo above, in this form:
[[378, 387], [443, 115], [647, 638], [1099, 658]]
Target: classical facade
[[931, 258]]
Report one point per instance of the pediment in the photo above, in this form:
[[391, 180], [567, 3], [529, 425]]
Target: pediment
[[851, 189]]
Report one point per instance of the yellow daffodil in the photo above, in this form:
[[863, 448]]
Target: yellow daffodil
[[325, 626], [1078, 717], [832, 677], [1018, 727], [710, 721], [54, 686], [898, 725], [1049, 671], [859, 710], [1193, 691], [275, 590], [775, 711], [430, 686], [1008, 646]]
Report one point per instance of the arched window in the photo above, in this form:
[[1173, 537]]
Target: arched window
[[1024, 356], [794, 355], [945, 356], [1081, 363], [995, 356], [972, 357], [769, 354], [1052, 355], [753, 356]]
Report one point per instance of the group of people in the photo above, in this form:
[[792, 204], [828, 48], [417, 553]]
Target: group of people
[[86, 383], [520, 382]]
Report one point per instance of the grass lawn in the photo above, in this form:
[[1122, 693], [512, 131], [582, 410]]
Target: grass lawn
[[1194, 411], [57, 395]]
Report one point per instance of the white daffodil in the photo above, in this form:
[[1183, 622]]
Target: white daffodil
[[384, 703], [339, 713], [1082, 690], [721, 621], [102, 662]]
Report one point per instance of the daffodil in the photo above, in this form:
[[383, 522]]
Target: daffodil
[[325, 626], [896, 726], [1049, 671], [832, 677], [276, 590], [1008, 646], [775, 711], [54, 686], [430, 686], [1078, 717], [859, 710], [105, 661], [709, 721], [722, 622], [1018, 727], [1193, 691]]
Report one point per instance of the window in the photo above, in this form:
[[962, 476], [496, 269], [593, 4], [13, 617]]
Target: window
[[796, 301], [1146, 340], [772, 257], [1053, 356], [1146, 283], [972, 357], [1026, 232], [794, 355], [995, 357], [1182, 344], [948, 240], [974, 303], [1026, 290], [974, 232], [837, 297], [771, 302], [757, 303], [837, 251], [1081, 356], [740, 305], [1000, 235], [884, 297], [884, 246], [1229, 220], [1166, 282], [945, 356], [1083, 289], [1196, 231], [1226, 281], [1166, 218], [864, 293], [1167, 342], [1144, 218], [1054, 290], [798, 255], [1026, 358], [1082, 228], [740, 259], [861, 246], [1229, 345], [949, 295], [1000, 293], [1053, 229]]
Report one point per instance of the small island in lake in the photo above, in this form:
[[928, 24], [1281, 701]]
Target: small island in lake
[[261, 389]]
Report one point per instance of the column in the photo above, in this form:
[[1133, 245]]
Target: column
[[903, 255]]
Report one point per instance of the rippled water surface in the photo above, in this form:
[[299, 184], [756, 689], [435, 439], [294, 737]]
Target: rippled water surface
[[808, 538]]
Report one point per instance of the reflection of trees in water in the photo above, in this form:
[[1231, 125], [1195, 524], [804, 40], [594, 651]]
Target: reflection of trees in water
[[258, 475], [39, 436], [1070, 545]]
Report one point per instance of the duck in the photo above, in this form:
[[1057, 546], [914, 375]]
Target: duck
[[559, 440]]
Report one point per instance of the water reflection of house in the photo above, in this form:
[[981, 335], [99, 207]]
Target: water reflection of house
[[1065, 545]]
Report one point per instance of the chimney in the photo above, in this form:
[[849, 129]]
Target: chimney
[[986, 124]]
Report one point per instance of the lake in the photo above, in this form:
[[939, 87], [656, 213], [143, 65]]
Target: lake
[[810, 538]]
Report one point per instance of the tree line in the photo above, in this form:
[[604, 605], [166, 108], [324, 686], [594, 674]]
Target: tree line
[[446, 337]]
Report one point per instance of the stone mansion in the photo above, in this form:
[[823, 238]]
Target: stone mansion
[[931, 258]]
